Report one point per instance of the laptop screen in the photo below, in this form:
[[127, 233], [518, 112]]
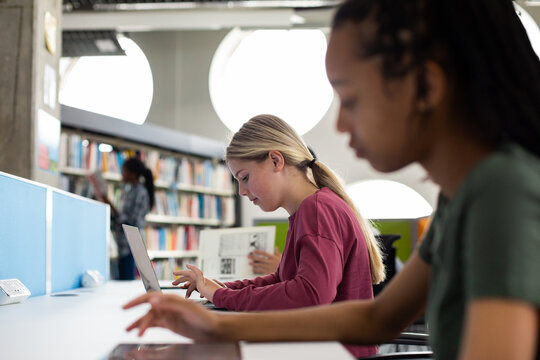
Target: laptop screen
[[138, 249]]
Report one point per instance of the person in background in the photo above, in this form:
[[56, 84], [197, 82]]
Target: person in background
[[137, 200], [455, 86]]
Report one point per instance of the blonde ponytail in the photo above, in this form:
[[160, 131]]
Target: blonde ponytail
[[324, 177], [264, 133]]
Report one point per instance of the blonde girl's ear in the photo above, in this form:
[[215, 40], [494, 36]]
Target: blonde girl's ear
[[277, 159]]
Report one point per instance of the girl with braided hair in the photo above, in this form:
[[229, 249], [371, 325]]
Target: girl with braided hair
[[453, 85]]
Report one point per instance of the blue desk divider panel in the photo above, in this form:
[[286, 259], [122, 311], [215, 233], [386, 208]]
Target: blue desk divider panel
[[79, 240], [23, 233]]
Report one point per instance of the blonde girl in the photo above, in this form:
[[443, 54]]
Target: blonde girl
[[330, 253]]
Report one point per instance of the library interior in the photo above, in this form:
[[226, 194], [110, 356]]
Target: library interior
[[126, 112]]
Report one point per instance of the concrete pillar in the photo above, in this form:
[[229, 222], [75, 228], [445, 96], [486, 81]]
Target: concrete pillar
[[30, 34]]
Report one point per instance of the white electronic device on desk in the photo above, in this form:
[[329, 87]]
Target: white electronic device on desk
[[12, 291], [92, 278]]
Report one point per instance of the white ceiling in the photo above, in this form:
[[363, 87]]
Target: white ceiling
[[196, 19], [217, 17]]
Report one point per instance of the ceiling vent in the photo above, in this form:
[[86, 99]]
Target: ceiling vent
[[90, 43], [112, 5]]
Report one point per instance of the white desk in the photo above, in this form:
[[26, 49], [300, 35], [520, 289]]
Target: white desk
[[90, 323]]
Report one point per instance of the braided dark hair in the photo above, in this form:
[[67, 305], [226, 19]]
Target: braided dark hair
[[137, 167], [482, 46]]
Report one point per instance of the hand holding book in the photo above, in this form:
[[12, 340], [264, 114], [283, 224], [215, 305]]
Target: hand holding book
[[99, 186]]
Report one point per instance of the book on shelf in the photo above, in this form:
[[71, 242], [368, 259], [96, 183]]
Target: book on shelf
[[152, 162], [164, 268], [185, 172], [194, 206], [74, 147], [190, 188], [114, 193], [172, 203], [78, 152], [175, 238]]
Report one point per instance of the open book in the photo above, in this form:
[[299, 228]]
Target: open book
[[223, 252], [98, 185]]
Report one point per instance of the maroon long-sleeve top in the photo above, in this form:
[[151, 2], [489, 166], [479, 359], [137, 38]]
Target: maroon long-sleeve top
[[325, 260]]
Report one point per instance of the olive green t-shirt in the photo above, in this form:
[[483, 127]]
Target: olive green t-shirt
[[484, 243]]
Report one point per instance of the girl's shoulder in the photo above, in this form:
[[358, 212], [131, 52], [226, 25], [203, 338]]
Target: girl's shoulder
[[326, 215], [510, 168], [324, 203], [324, 196]]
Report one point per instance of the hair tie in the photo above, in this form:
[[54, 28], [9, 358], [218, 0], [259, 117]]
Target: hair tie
[[310, 164]]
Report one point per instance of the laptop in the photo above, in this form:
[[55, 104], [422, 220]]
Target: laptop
[[146, 271]]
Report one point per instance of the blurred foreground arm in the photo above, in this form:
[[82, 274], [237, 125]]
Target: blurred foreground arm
[[373, 321], [511, 333]]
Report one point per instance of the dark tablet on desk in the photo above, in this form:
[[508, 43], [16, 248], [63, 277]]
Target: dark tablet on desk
[[211, 306], [193, 351]]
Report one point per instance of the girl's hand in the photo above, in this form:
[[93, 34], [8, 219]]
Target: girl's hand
[[263, 262], [176, 314], [219, 283], [194, 280]]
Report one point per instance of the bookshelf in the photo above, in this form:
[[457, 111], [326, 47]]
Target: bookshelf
[[192, 192]]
